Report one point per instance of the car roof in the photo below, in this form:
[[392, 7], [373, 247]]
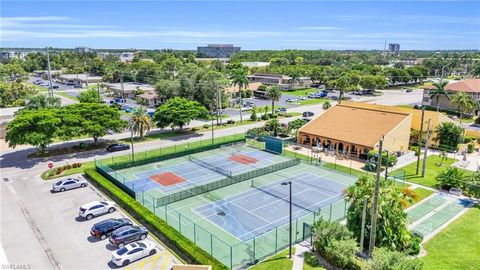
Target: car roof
[[121, 229], [90, 204]]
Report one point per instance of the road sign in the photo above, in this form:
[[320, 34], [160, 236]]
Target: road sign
[[50, 165]]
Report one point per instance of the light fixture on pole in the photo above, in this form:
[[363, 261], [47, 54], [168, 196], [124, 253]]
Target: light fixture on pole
[[289, 183], [131, 139]]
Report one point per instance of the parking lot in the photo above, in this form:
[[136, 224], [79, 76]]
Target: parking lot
[[43, 230]]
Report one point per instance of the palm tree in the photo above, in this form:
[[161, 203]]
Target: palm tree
[[326, 105], [42, 102], [274, 94], [140, 121], [239, 77], [294, 77], [464, 103], [273, 126], [439, 91]]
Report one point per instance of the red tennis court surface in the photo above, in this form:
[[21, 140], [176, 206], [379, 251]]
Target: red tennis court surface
[[243, 159], [167, 178]]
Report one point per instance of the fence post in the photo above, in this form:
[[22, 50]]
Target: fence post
[[276, 240], [296, 230], [166, 214], [211, 244], [231, 258], [254, 249], [330, 212], [195, 233], [179, 223]]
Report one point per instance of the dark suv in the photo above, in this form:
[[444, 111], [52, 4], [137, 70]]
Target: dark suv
[[104, 228], [117, 147], [127, 234]]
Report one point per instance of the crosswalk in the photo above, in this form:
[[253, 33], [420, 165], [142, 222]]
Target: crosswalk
[[160, 261]]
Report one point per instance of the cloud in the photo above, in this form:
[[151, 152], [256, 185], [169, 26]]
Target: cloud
[[320, 28]]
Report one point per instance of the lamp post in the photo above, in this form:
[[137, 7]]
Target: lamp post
[[289, 183]]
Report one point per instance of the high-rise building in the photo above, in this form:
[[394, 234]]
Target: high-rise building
[[83, 49], [217, 50], [393, 47]]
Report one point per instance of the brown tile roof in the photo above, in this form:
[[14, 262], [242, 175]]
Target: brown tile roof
[[360, 126], [467, 85], [251, 86]]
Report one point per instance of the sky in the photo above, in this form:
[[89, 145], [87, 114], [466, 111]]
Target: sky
[[337, 25]]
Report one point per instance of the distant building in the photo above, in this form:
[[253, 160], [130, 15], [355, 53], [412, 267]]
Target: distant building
[[394, 47], [12, 55], [83, 49], [79, 79], [217, 50], [469, 86], [125, 57], [283, 81], [129, 89], [255, 64]]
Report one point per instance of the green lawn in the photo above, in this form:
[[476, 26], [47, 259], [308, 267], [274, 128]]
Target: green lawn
[[64, 94], [301, 92], [277, 262], [456, 247], [432, 170]]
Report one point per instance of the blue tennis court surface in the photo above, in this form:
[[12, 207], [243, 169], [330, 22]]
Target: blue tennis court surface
[[265, 207], [193, 173]]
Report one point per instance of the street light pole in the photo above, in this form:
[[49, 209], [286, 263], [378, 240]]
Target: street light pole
[[289, 183]]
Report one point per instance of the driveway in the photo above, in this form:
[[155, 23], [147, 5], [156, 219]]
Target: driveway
[[42, 229]]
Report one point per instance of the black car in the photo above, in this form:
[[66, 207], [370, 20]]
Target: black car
[[55, 86], [308, 114], [117, 147], [127, 234], [104, 228]]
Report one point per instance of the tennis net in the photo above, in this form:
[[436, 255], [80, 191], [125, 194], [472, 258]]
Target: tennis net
[[309, 206], [210, 166]]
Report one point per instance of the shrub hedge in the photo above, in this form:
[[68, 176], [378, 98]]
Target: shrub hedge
[[181, 245]]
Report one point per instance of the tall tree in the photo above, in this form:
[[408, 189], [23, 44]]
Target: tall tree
[[89, 96], [140, 122], [274, 94], [464, 103], [438, 92], [392, 221], [95, 119], [239, 78], [273, 126], [15, 93], [33, 127], [178, 112]]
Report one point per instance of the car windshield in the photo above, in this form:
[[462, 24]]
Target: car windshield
[[122, 251], [141, 245], [104, 203], [59, 183]]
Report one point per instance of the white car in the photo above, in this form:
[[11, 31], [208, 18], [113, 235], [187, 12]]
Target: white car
[[133, 251], [69, 183], [96, 208]]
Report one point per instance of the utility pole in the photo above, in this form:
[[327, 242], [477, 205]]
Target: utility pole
[[420, 140], [121, 85], [386, 168], [220, 105], [426, 149], [50, 88], [364, 216], [373, 223], [131, 139]]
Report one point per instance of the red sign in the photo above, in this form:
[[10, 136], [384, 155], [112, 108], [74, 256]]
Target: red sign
[[50, 165]]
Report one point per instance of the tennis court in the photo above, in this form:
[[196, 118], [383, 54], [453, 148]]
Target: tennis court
[[169, 176], [265, 207]]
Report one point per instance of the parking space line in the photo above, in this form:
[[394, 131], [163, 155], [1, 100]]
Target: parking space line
[[155, 261], [165, 262]]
